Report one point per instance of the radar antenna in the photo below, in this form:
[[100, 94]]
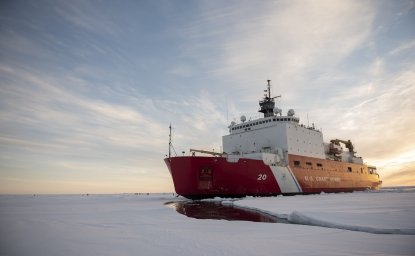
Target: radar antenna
[[267, 104]]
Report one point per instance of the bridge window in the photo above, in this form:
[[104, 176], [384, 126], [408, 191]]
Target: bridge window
[[349, 169], [319, 165], [296, 163]]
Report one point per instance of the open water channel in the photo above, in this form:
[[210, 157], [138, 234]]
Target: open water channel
[[218, 211]]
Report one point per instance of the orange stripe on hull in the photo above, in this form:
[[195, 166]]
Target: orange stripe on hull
[[318, 175]]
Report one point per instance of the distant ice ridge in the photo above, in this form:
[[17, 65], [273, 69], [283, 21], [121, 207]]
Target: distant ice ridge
[[300, 218], [400, 189]]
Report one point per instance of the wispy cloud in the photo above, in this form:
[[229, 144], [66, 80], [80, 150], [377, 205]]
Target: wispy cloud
[[379, 125], [400, 175], [48, 102], [296, 36], [403, 48], [95, 18], [75, 136], [284, 42]]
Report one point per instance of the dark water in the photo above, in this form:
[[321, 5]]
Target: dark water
[[218, 211]]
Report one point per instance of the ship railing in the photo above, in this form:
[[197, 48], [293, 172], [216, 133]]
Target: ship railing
[[193, 151]]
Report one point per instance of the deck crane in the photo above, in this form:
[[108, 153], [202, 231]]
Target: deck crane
[[347, 143]]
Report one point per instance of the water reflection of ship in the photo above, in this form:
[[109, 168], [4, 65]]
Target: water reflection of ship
[[215, 210]]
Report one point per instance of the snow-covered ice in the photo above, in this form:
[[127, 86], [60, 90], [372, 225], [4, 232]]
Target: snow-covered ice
[[143, 225], [375, 212]]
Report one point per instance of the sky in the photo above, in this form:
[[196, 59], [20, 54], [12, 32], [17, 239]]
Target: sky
[[88, 88]]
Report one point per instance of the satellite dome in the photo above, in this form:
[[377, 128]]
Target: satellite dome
[[277, 111], [243, 118], [291, 112]]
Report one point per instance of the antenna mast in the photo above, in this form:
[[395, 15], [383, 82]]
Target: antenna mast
[[171, 144], [169, 141], [267, 104]]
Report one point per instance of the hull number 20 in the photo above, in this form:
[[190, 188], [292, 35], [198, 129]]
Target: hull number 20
[[262, 176]]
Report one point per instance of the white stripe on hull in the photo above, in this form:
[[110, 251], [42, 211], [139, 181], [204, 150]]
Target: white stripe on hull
[[286, 179]]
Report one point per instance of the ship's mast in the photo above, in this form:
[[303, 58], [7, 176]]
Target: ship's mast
[[171, 144], [269, 88], [267, 104], [169, 141]]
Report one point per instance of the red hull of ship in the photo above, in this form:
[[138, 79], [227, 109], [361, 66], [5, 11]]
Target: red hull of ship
[[198, 177], [226, 179]]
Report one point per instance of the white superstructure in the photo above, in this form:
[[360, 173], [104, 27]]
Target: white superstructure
[[273, 134], [282, 135]]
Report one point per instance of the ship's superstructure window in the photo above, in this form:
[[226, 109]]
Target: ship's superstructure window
[[372, 169], [269, 120], [296, 163], [349, 169], [308, 163]]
